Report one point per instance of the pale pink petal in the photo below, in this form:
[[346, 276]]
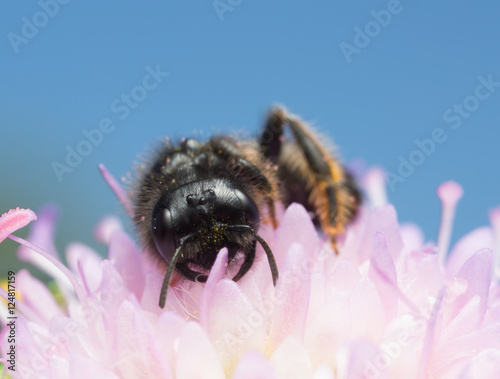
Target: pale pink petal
[[42, 233], [37, 296], [233, 324], [365, 300], [13, 220], [250, 286], [466, 247], [463, 348], [323, 372], [383, 274], [151, 295], [217, 272], [137, 352], [430, 337], [402, 343], [126, 258], [486, 365], [318, 294], [59, 367], [194, 352], [106, 227], [65, 278], [253, 365], [420, 280], [292, 297], [328, 330], [362, 359], [91, 332], [118, 190], [64, 338], [476, 272], [291, 360], [297, 223], [469, 319], [382, 219], [412, 237], [87, 263], [170, 328], [30, 358], [84, 368], [344, 278], [20, 307], [112, 290]]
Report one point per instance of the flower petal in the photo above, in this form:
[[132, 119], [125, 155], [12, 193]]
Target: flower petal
[[42, 234], [358, 246], [217, 272], [170, 327], [296, 223], [328, 330], [253, 365], [323, 372], [106, 227], [194, 346], [233, 324], [118, 190], [344, 278], [466, 247], [81, 367], [361, 359], [85, 261], [476, 271], [365, 300], [37, 296], [462, 348], [15, 219], [486, 365], [383, 274], [137, 352], [292, 298], [291, 360], [126, 259]]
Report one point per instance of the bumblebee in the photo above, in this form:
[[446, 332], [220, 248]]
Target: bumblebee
[[197, 198]]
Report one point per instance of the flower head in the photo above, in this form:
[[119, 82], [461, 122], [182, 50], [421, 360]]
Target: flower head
[[390, 305]]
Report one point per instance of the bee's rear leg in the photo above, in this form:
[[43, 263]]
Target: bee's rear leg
[[309, 171]]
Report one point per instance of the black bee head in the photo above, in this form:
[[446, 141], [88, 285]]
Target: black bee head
[[205, 212]]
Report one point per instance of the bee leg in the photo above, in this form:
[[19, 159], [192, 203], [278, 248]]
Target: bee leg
[[227, 149], [310, 173], [247, 263]]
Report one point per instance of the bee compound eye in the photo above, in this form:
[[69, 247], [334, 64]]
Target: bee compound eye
[[164, 235], [250, 209]]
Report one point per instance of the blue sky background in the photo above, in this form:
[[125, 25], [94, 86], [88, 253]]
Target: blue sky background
[[226, 70]]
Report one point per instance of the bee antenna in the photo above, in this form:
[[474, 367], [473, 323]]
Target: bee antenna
[[265, 246], [171, 267]]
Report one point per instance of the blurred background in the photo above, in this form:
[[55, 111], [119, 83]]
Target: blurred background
[[381, 78]]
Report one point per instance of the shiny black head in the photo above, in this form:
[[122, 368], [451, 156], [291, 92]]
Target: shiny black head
[[204, 210], [192, 223]]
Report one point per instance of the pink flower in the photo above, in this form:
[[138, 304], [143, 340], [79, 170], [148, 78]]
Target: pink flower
[[389, 306]]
